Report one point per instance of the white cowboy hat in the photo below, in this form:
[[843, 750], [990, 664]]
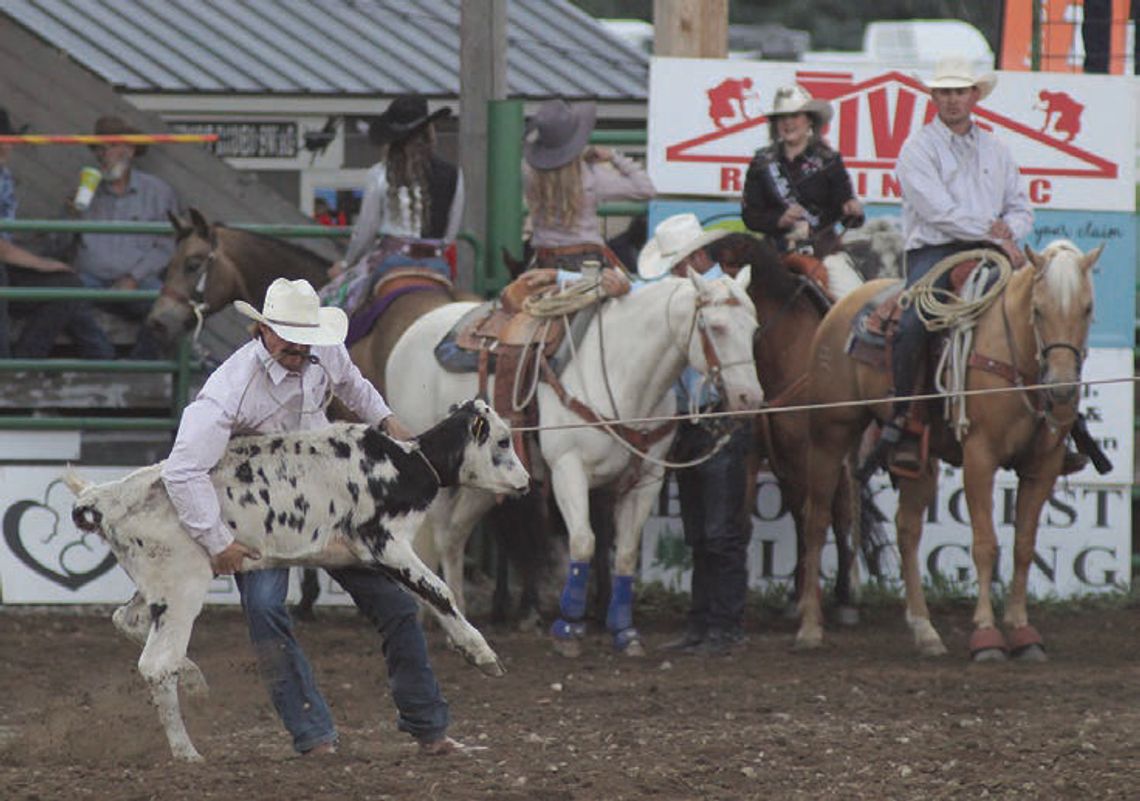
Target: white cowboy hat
[[955, 72], [794, 99], [674, 238], [294, 312]]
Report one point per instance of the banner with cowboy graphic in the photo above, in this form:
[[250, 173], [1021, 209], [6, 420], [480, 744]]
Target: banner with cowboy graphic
[[1073, 135]]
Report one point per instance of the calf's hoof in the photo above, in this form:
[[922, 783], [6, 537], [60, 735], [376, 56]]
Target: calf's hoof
[[1026, 644], [493, 668], [988, 645], [187, 754]]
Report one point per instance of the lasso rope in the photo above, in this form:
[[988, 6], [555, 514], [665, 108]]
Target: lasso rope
[[939, 308], [568, 300], [942, 309]]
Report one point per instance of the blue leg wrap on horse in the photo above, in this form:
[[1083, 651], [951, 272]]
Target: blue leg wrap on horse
[[565, 630], [620, 614], [573, 602]]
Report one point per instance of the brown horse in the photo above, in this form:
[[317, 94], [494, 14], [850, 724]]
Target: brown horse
[[790, 307], [214, 265], [1039, 327]]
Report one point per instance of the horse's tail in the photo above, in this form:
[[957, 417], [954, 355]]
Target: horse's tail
[[871, 530]]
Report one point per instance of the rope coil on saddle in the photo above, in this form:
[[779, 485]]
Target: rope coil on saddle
[[565, 301], [941, 309]]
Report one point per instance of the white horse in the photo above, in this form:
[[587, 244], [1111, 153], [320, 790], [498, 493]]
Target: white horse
[[629, 359]]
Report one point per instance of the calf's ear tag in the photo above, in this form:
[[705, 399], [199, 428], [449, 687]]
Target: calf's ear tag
[[479, 428]]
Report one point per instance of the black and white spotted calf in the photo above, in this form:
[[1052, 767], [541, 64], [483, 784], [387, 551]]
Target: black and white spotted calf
[[342, 495]]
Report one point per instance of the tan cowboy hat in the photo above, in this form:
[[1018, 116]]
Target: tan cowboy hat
[[955, 72], [674, 238], [794, 99], [557, 133], [116, 126], [294, 312]]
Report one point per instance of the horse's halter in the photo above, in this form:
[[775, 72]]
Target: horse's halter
[[716, 366], [1042, 349], [196, 300]]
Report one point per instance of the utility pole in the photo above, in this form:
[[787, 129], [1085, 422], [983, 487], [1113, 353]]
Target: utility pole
[[482, 77], [690, 28]]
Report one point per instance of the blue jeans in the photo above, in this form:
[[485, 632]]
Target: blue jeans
[[717, 528], [422, 710], [43, 322]]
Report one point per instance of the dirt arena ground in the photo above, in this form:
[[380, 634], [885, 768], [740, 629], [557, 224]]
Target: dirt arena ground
[[861, 719]]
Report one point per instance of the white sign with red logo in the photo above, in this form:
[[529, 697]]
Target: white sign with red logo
[[1073, 135]]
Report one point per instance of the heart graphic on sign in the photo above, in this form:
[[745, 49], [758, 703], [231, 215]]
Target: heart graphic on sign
[[59, 553]]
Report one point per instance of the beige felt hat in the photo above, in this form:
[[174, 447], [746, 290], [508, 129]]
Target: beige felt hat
[[674, 238], [955, 72], [294, 312], [794, 99]]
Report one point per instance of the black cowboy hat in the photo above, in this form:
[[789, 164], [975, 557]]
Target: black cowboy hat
[[404, 116], [6, 128], [116, 126]]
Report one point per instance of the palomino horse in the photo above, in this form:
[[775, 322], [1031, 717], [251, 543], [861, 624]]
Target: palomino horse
[[1038, 326], [631, 355], [790, 307], [214, 265]]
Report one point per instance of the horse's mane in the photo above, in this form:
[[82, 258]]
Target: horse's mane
[[769, 275], [1062, 273]]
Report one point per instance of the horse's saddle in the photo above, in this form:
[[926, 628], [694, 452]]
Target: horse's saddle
[[873, 327], [499, 338], [395, 283]]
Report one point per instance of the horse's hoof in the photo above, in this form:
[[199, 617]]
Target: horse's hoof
[[988, 645], [809, 642], [1026, 644], [1031, 653], [989, 655], [571, 649], [628, 643], [932, 649], [530, 622], [847, 615]]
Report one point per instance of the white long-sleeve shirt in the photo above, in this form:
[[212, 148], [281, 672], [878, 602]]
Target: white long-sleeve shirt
[[954, 187], [251, 393], [376, 218]]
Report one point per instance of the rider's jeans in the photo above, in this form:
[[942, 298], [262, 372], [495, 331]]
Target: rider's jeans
[[423, 712]]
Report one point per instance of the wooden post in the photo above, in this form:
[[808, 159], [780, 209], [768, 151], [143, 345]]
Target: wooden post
[[482, 77], [690, 28]]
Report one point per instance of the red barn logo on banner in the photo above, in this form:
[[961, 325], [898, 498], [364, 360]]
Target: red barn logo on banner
[[874, 117]]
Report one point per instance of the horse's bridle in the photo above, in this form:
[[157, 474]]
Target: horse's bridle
[[196, 300], [1042, 409], [716, 366]]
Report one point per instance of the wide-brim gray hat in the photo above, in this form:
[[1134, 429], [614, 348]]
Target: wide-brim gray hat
[[558, 133], [294, 311]]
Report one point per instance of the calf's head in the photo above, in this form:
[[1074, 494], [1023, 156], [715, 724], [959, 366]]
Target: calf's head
[[474, 444]]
